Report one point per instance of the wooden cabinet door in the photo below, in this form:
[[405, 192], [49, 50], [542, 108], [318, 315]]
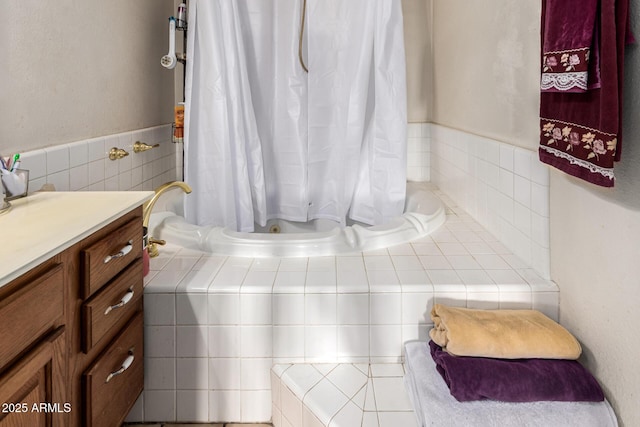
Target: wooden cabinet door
[[32, 391]]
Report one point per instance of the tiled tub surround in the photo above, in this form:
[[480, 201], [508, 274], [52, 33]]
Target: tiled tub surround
[[85, 165], [505, 188], [215, 325]]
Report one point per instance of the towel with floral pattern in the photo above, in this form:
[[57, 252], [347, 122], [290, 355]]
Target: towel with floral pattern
[[581, 86]]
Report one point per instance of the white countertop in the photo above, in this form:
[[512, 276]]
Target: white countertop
[[44, 224]]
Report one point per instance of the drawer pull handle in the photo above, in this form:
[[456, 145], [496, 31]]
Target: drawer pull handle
[[125, 299], [125, 250], [125, 365]]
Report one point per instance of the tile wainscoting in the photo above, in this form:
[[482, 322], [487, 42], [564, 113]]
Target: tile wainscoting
[[85, 165], [503, 187]]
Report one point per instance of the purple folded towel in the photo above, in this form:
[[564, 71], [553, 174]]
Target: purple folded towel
[[515, 380]]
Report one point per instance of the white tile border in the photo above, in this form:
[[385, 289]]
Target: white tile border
[[85, 165], [504, 187]]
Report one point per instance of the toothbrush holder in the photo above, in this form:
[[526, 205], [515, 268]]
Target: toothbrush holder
[[16, 184]]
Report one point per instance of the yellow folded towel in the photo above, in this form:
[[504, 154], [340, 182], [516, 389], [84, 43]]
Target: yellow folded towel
[[505, 334]]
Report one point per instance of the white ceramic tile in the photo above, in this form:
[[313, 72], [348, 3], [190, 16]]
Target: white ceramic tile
[[475, 277], [192, 373], [160, 405], [435, 262], [293, 264], [483, 300], [416, 307], [258, 281], [256, 309], [322, 263], [406, 262], [547, 303], [385, 309], [522, 191], [159, 341], [415, 332], [320, 309], [348, 379], [224, 341], [353, 309], [78, 177], [508, 277], [325, 368], [352, 281], [224, 373], [353, 342], [383, 281], [414, 281], [192, 405], [136, 414], [515, 300], [57, 158], [386, 370], [380, 262], [522, 162], [160, 373], [391, 395], [224, 309], [35, 162], [159, 309], [444, 277], [192, 341], [321, 282], [507, 157], [265, 264], [291, 407], [255, 405], [540, 199], [289, 281], [288, 342], [191, 309], [309, 419], [255, 373], [385, 340], [349, 415], [60, 180], [463, 262], [256, 341], [393, 419], [325, 400], [492, 262], [224, 405], [426, 248], [196, 282], [288, 309], [320, 343], [300, 378], [370, 419]]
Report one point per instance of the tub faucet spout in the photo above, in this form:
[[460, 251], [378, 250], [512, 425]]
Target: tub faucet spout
[[148, 207]]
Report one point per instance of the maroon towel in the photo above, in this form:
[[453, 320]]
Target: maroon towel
[[515, 380], [581, 101]]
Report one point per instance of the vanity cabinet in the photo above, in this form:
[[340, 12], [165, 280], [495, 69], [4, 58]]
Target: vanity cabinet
[[71, 333]]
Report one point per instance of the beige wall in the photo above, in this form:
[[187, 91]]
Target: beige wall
[[417, 38], [485, 74], [486, 82], [78, 69]]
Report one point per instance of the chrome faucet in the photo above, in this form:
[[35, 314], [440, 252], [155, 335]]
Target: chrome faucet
[[146, 212]]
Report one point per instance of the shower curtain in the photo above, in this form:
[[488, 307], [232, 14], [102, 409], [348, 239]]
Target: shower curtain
[[264, 139]]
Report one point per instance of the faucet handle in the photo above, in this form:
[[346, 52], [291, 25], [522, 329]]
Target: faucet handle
[[117, 153], [139, 147]]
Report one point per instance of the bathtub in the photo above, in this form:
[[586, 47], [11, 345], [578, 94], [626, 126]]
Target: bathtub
[[424, 212]]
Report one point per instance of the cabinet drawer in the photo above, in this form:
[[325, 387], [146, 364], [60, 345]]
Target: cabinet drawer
[[109, 397], [110, 255], [30, 311], [110, 308]]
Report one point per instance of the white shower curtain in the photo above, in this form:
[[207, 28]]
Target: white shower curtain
[[266, 140]]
